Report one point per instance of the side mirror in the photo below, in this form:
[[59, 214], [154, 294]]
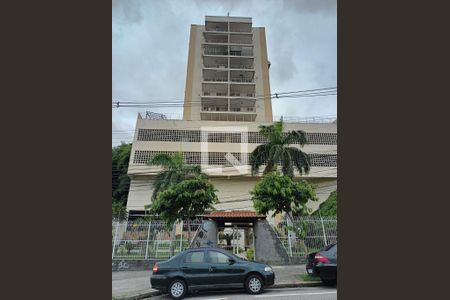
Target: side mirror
[[231, 261]]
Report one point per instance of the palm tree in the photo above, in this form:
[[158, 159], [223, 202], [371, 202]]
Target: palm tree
[[174, 171], [277, 150]]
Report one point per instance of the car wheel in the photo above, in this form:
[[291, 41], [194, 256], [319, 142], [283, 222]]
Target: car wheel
[[177, 289], [254, 284]]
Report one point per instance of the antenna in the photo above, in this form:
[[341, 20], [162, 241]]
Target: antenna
[[228, 14]]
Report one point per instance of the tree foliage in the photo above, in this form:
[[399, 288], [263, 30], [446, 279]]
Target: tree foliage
[[279, 193], [119, 211], [174, 171], [328, 207], [184, 200], [120, 179], [277, 151]]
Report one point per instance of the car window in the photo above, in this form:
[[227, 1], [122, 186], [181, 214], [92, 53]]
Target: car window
[[195, 257], [216, 257]]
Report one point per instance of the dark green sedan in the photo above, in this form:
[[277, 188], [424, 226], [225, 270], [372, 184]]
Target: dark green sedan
[[209, 268]]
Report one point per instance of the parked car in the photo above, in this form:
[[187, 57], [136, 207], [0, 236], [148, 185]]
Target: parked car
[[323, 264], [209, 268]]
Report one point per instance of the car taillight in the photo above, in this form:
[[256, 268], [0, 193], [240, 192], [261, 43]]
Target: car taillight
[[155, 268], [320, 258]]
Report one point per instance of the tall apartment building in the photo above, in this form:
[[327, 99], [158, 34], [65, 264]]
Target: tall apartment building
[[226, 99], [228, 72]]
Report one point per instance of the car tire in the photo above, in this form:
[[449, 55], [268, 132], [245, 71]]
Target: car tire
[[177, 289], [254, 284]]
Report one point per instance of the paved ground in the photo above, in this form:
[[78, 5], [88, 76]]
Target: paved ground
[[305, 293], [127, 283]]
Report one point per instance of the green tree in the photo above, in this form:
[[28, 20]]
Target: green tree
[[120, 179], [119, 211], [184, 200], [328, 207], [279, 193], [174, 170], [277, 151]]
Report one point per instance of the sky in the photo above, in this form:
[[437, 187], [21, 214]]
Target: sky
[[150, 40]]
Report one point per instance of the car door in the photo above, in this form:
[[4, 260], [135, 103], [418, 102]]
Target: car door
[[222, 271], [195, 268]]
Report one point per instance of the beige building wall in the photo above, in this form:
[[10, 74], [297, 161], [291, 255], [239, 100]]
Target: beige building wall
[[233, 192], [233, 185]]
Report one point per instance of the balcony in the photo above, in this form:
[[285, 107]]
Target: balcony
[[215, 76], [242, 76], [242, 90], [228, 51], [228, 116], [218, 89]]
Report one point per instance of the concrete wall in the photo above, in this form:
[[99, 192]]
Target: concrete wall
[[268, 248]]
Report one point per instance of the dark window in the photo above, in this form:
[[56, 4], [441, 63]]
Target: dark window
[[195, 257], [218, 258]]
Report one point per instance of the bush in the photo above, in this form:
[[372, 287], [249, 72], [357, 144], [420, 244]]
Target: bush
[[250, 252], [328, 207]]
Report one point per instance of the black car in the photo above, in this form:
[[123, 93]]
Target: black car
[[209, 268], [323, 264]]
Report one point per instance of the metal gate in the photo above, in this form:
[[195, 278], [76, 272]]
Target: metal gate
[[238, 240]]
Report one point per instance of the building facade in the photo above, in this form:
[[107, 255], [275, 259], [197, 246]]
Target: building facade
[[227, 98]]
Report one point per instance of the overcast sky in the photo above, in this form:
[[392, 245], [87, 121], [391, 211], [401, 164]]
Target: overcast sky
[[150, 44]]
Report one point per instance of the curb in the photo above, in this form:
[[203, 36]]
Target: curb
[[295, 284], [280, 285], [139, 296]]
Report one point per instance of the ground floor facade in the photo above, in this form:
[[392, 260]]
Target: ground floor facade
[[233, 192]]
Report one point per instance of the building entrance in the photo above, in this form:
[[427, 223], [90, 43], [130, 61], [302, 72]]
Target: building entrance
[[235, 231]]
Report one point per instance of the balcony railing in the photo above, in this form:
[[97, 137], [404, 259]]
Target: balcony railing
[[225, 52], [241, 67], [242, 109], [248, 95], [220, 66], [215, 79], [215, 52], [214, 108], [244, 80], [246, 67], [215, 94]]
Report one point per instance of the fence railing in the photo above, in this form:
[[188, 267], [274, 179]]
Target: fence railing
[[316, 233], [150, 239]]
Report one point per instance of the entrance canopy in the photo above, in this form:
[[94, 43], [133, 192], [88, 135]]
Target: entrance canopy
[[241, 218]]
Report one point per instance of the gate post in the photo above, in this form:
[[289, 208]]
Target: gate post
[[148, 237], [115, 239], [288, 222], [181, 238], [323, 231]]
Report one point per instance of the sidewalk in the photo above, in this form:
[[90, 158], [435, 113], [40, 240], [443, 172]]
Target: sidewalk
[[135, 284]]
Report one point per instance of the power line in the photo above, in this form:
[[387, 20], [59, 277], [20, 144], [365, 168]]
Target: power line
[[181, 103]]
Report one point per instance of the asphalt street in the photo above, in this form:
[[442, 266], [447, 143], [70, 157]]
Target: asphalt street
[[304, 293]]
